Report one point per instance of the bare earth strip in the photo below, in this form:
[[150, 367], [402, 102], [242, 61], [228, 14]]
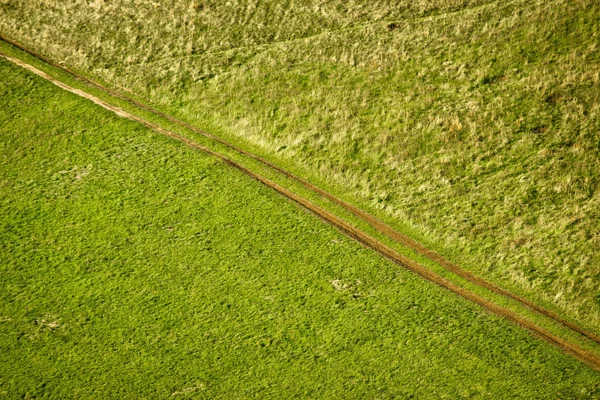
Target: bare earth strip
[[348, 229], [370, 219]]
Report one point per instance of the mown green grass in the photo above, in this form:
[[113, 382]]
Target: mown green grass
[[132, 266], [471, 124]]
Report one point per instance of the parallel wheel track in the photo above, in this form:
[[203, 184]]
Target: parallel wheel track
[[348, 229], [370, 219]]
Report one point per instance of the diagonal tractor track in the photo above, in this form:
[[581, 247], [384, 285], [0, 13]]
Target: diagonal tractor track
[[376, 223], [365, 239]]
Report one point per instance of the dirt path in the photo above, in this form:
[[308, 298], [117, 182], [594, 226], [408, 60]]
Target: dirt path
[[370, 219], [365, 239]]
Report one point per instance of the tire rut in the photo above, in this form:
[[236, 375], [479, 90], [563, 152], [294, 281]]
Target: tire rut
[[376, 223], [363, 238]]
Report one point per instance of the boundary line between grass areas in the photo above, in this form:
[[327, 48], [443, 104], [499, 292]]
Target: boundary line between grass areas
[[373, 221], [363, 238]]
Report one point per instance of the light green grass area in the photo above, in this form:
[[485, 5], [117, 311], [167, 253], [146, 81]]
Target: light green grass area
[[471, 124], [132, 266]]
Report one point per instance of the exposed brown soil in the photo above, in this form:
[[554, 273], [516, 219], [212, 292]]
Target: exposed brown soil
[[370, 219], [363, 238]]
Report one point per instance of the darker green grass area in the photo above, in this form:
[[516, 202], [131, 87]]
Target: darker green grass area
[[134, 267]]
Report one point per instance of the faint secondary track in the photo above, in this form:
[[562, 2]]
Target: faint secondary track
[[358, 235], [370, 219]]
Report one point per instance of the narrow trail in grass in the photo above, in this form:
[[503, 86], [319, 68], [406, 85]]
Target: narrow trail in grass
[[361, 237], [376, 223]]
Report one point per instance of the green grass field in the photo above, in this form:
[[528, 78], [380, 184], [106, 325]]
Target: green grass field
[[135, 267], [471, 125]]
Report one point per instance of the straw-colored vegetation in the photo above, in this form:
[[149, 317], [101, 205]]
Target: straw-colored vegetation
[[472, 123]]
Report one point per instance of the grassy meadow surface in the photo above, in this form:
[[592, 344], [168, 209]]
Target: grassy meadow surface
[[473, 125], [132, 266]]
